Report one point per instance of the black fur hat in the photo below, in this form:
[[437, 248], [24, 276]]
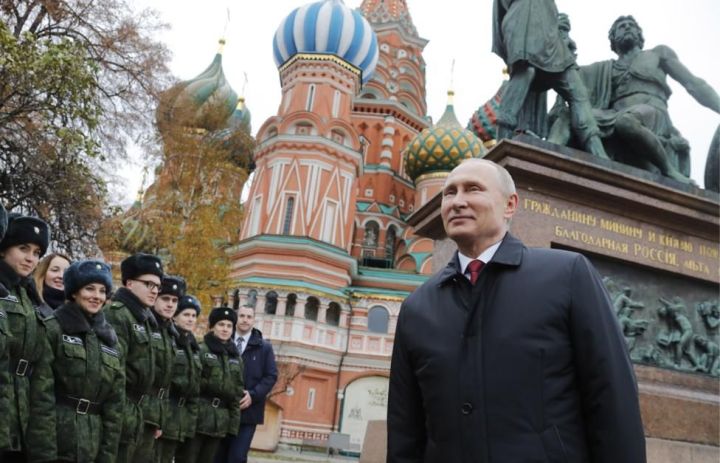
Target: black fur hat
[[140, 264], [173, 285], [3, 221], [84, 272], [23, 229], [222, 313], [188, 302]]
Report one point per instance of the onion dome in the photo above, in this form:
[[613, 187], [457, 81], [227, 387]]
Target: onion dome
[[240, 118], [483, 122], [235, 139], [440, 148], [200, 102], [328, 27]]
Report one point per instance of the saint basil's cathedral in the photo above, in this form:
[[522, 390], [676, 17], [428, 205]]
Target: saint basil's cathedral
[[325, 252]]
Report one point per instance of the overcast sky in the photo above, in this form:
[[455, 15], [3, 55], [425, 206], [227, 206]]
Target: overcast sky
[[459, 29]]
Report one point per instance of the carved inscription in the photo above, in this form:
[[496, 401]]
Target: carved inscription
[[637, 243]]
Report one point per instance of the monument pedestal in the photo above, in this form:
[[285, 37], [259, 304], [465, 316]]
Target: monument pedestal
[[655, 242]]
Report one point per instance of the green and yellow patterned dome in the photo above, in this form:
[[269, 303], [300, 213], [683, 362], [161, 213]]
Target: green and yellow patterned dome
[[440, 148]]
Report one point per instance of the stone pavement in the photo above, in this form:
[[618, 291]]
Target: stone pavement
[[294, 456]]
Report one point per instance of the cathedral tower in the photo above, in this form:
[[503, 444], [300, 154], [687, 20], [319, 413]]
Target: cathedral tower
[[309, 157]]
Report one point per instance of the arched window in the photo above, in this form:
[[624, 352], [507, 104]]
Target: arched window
[[252, 298], [271, 300], [378, 319], [287, 221], [290, 305], [333, 314], [371, 234], [312, 307], [310, 98], [390, 238], [336, 103]]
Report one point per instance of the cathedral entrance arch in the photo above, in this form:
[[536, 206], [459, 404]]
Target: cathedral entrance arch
[[364, 399]]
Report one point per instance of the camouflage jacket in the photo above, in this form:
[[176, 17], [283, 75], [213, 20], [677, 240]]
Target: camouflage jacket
[[4, 381], [89, 387], [133, 324], [221, 388], [162, 339], [185, 388], [26, 346]]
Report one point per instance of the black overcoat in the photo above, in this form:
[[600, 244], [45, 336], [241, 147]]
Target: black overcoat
[[529, 365]]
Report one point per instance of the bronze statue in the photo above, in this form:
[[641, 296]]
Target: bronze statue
[[709, 361], [527, 36], [712, 165], [630, 96], [631, 328], [710, 313], [679, 337]]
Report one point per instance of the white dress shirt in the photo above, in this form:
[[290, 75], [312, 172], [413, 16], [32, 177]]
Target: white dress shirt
[[245, 339], [485, 257]]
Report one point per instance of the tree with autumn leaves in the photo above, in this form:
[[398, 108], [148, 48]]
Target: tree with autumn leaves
[[78, 79], [192, 211]]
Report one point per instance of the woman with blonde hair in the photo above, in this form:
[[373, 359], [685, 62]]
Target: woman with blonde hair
[[48, 278]]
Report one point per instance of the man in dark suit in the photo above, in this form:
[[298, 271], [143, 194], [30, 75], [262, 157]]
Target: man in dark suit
[[509, 354], [260, 374]]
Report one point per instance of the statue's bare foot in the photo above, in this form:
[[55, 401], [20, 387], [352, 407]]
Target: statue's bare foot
[[676, 175], [595, 146]]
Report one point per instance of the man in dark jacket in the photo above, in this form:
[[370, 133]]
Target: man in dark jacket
[[260, 374], [509, 354]]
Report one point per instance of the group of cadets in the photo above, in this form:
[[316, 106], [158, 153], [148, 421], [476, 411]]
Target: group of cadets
[[116, 378]]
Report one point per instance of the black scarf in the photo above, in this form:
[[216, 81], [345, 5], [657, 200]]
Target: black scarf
[[139, 311], [13, 282], [218, 347], [73, 320], [165, 324], [53, 297], [8, 277], [186, 339]]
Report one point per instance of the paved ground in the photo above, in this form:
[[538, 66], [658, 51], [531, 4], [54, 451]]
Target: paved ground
[[296, 457]]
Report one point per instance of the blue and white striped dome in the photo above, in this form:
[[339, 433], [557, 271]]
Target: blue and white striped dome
[[328, 27]]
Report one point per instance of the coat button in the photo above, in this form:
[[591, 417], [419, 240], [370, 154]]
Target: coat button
[[466, 408]]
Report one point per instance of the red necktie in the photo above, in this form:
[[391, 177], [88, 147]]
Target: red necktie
[[474, 268]]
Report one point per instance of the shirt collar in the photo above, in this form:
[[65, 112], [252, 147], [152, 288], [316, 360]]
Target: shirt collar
[[484, 256]]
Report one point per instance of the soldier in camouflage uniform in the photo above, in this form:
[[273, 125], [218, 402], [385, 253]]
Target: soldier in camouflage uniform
[[88, 376], [129, 313], [185, 388], [155, 409], [26, 240], [221, 388], [4, 367]]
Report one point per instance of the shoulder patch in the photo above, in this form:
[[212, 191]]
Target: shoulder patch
[[109, 350], [211, 356], [10, 298], [72, 340], [138, 328]]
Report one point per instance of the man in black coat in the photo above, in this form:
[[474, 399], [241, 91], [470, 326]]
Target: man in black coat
[[260, 374], [516, 360]]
